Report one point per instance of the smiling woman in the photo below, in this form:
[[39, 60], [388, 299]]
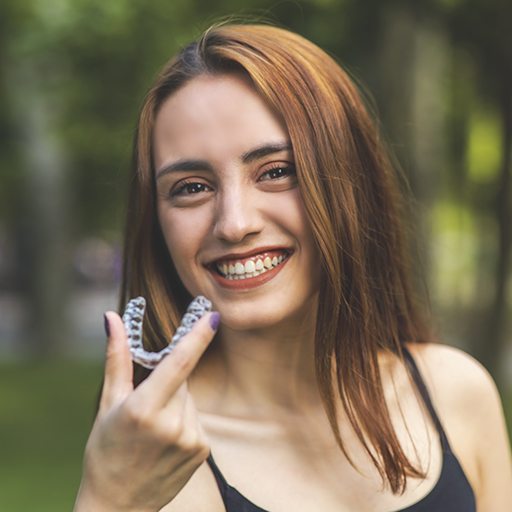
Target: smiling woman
[[260, 181], [232, 202]]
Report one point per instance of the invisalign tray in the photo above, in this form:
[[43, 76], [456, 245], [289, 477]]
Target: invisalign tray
[[133, 316]]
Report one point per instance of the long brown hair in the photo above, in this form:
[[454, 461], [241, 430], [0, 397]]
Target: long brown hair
[[352, 199]]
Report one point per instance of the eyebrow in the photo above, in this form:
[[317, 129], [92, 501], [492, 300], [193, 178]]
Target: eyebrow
[[264, 150], [203, 165], [184, 165]]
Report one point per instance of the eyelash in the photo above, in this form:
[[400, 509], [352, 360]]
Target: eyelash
[[183, 186], [290, 170]]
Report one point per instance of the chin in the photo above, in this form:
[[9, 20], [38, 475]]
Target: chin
[[252, 324], [255, 317]]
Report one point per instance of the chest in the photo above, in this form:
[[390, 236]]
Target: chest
[[301, 468]]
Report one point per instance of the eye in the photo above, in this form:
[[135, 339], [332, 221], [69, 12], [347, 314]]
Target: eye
[[188, 188], [277, 172]]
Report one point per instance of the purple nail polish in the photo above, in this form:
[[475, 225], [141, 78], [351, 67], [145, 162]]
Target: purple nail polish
[[215, 320], [107, 325]]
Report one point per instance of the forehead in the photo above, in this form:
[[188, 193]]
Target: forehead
[[215, 118]]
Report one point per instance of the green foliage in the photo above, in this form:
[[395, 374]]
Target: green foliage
[[484, 147]]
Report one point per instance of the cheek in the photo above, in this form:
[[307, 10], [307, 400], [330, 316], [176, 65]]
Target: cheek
[[184, 231], [294, 218], [296, 221]]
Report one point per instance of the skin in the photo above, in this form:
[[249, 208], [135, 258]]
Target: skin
[[244, 207], [234, 209], [252, 398]]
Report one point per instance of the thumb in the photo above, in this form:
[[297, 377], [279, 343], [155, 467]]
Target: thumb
[[118, 380]]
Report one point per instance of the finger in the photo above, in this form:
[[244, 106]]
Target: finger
[[174, 370], [118, 381], [182, 418]]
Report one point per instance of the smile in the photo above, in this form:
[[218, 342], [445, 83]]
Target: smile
[[250, 267], [251, 270]]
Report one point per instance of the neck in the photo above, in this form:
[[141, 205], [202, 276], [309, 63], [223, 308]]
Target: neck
[[260, 373]]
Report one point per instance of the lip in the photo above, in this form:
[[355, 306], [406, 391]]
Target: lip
[[248, 254], [250, 282]]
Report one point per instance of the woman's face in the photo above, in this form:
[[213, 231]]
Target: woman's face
[[229, 206]]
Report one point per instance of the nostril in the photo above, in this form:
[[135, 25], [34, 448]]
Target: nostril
[[236, 216], [236, 230]]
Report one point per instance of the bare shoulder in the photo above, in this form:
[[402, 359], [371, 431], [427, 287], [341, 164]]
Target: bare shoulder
[[454, 373], [462, 389], [469, 406]]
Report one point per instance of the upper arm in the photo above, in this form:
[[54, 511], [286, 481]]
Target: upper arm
[[493, 449], [471, 412]]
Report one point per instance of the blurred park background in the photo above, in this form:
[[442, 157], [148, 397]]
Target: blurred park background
[[72, 77]]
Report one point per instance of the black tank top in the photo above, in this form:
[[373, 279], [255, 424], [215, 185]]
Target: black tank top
[[451, 493]]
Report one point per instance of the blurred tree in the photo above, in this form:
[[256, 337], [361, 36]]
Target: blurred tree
[[39, 202], [484, 29], [74, 73]]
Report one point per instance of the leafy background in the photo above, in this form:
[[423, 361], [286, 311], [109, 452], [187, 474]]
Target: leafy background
[[73, 74]]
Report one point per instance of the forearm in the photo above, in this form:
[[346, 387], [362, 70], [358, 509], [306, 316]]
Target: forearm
[[88, 501]]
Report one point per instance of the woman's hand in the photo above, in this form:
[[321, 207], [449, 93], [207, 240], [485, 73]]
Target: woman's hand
[[145, 443]]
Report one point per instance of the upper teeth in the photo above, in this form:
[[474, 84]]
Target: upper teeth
[[251, 268]]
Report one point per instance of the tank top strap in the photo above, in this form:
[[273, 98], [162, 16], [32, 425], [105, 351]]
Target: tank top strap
[[425, 395], [232, 499], [219, 477]]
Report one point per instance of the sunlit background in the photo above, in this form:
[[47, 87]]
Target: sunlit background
[[73, 74]]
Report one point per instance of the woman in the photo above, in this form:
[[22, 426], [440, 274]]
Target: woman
[[260, 182]]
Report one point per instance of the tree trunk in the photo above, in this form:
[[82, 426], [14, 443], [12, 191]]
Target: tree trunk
[[413, 64], [43, 232]]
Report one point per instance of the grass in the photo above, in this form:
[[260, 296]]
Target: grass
[[46, 412]]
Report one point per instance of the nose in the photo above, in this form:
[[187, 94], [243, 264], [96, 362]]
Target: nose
[[237, 215]]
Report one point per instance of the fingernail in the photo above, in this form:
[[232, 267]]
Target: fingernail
[[107, 325], [214, 320]]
